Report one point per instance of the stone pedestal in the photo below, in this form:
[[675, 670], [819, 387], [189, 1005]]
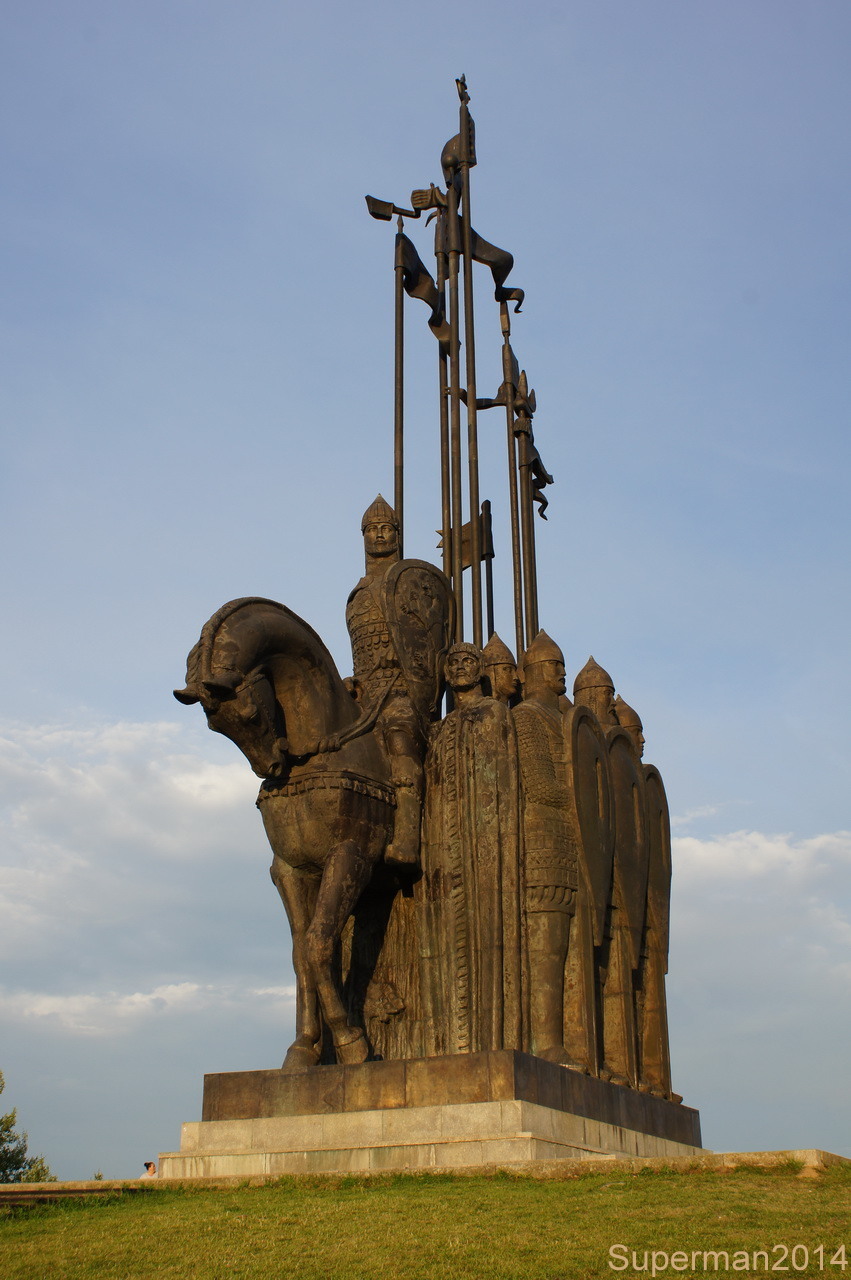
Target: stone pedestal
[[502, 1108]]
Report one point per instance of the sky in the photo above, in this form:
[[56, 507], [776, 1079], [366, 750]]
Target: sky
[[197, 405]]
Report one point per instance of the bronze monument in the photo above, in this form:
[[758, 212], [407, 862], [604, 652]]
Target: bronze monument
[[471, 863]]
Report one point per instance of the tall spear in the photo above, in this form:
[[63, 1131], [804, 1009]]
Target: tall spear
[[443, 392], [384, 210], [399, 386], [467, 159], [509, 390], [530, 577], [453, 252]]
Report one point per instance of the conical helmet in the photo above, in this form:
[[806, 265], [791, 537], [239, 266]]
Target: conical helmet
[[627, 718], [497, 653], [542, 649], [462, 646], [593, 676], [380, 512]]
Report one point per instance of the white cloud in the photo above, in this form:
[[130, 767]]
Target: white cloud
[[113, 1013], [692, 815], [121, 783], [753, 911], [759, 985], [212, 786], [125, 851], [745, 855]]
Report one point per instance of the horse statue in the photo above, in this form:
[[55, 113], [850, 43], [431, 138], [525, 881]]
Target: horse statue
[[266, 681]]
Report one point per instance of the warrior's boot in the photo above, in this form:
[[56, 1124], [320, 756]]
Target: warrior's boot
[[406, 774], [404, 849]]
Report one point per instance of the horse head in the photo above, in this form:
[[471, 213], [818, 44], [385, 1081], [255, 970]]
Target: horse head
[[251, 718], [266, 681], [247, 712]]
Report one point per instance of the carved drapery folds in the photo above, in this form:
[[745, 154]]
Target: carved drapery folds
[[470, 959], [540, 921]]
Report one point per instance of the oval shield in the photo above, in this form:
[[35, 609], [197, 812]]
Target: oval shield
[[589, 780], [630, 812], [420, 612], [659, 858]]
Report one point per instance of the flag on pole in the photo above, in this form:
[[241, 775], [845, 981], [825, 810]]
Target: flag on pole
[[500, 262], [418, 283], [486, 538]]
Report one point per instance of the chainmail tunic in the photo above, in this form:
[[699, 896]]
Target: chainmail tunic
[[374, 660], [550, 858]]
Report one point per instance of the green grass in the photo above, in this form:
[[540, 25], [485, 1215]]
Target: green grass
[[504, 1227]]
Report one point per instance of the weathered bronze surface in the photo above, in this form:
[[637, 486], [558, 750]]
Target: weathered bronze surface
[[494, 878], [470, 943]]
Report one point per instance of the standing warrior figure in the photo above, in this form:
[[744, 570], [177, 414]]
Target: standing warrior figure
[[469, 904], [620, 953], [399, 618], [654, 1055], [550, 857]]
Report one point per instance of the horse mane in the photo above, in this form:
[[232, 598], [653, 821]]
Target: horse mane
[[211, 627]]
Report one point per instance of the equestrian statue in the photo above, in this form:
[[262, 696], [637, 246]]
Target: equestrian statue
[[341, 760]]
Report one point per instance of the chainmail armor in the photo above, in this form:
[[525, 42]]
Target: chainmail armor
[[373, 659], [550, 860]]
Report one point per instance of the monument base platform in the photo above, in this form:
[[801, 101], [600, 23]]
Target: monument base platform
[[503, 1107]]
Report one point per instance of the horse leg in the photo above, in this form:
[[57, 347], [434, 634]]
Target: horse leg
[[345, 874], [298, 894]]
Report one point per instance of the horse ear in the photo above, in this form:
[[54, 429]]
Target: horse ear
[[186, 696]]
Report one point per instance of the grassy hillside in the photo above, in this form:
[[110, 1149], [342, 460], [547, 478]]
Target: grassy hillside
[[503, 1227]]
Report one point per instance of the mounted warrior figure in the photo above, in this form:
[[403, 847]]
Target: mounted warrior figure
[[400, 620]]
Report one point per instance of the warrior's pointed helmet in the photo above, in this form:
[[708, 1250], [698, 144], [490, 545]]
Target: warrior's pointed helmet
[[627, 718], [497, 653], [542, 649], [380, 512], [593, 676]]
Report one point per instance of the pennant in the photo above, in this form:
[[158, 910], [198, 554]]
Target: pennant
[[418, 283], [500, 262], [485, 534]]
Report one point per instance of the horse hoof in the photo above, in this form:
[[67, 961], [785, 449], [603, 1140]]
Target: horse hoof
[[300, 1057], [352, 1051], [402, 858]]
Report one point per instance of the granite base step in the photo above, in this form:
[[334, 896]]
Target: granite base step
[[505, 1133]]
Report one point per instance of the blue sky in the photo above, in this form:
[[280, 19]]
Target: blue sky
[[197, 405]]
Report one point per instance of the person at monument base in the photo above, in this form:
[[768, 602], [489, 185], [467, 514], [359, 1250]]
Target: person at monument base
[[550, 869], [379, 684]]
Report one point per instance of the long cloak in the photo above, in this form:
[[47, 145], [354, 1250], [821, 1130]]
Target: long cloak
[[470, 902]]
